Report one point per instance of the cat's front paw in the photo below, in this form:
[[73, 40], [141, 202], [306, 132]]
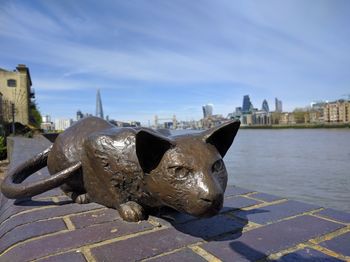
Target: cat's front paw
[[131, 212], [82, 199]]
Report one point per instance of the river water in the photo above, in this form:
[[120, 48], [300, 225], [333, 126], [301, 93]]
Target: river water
[[309, 165]]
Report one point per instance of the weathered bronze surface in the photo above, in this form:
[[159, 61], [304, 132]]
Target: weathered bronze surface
[[132, 169]]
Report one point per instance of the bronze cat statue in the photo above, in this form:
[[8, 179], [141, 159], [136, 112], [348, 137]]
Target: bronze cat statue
[[132, 169]]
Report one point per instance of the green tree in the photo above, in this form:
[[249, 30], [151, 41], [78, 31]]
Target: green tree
[[3, 149], [299, 115], [34, 115]]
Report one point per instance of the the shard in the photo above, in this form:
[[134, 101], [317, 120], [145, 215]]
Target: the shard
[[99, 109]]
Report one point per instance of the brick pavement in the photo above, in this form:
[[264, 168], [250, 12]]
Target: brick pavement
[[252, 226]]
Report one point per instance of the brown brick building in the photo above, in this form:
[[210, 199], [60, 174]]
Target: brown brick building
[[337, 111]]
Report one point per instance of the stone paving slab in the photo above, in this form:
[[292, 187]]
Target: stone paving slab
[[65, 257], [335, 214], [144, 246], [45, 213], [339, 244], [182, 255], [265, 197], [276, 212], [66, 240], [31, 230], [251, 226], [93, 218], [307, 254], [237, 202], [210, 227], [258, 243], [236, 191]]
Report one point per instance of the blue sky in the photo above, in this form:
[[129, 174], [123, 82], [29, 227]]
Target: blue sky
[[170, 57]]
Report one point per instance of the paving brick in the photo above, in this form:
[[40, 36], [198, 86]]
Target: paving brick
[[44, 214], [51, 193], [307, 254], [20, 206], [182, 255], [238, 202], [275, 212], [260, 242], [235, 191], [93, 218], [230, 203], [210, 227], [174, 217], [50, 245], [339, 244], [68, 257], [335, 215], [152, 244], [266, 197], [27, 231], [37, 176]]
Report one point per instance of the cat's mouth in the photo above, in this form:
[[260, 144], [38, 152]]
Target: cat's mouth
[[205, 207]]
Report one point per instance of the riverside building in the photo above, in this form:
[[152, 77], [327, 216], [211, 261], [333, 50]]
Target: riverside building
[[337, 111], [15, 94]]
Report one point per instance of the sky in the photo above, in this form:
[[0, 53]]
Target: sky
[[162, 57]]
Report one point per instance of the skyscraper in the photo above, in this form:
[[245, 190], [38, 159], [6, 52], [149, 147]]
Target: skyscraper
[[207, 110], [247, 105], [278, 105], [99, 110], [265, 106]]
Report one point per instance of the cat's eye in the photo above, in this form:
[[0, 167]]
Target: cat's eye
[[218, 165], [180, 172]]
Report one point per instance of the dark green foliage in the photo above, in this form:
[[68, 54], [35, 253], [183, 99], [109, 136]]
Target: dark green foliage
[[34, 115], [3, 149]]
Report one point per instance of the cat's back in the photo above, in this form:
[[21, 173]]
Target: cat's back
[[68, 146]]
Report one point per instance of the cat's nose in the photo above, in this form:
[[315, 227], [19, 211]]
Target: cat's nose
[[213, 201]]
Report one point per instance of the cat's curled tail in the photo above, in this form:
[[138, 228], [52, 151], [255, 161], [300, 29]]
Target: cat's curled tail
[[12, 187]]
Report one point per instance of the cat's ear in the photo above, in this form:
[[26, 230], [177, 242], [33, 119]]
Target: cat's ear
[[222, 136], [150, 148]]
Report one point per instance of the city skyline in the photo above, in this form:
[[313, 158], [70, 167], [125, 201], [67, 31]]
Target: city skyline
[[177, 57]]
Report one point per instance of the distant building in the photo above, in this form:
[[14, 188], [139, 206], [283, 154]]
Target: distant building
[[315, 114], [46, 124], [15, 88], [337, 111], [317, 105], [80, 115], [46, 118], [211, 121], [125, 124], [278, 106], [62, 124], [265, 106], [287, 119], [207, 110], [247, 119], [262, 118], [99, 109], [247, 105]]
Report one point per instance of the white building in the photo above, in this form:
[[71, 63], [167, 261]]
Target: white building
[[46, 124], [63, 123]]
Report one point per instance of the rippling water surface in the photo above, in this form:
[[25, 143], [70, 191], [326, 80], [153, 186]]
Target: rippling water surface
[[310, 165]]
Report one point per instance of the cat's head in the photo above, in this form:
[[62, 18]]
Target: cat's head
[[187, 172]]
